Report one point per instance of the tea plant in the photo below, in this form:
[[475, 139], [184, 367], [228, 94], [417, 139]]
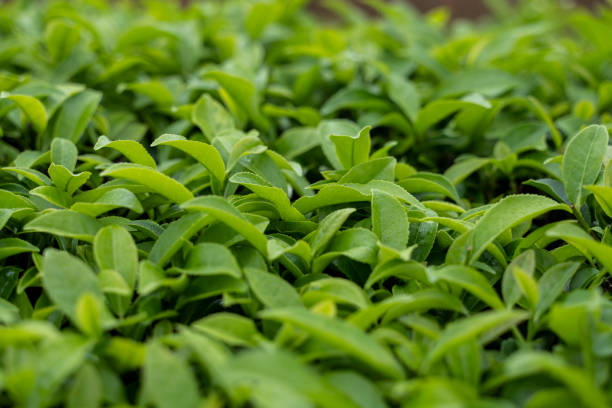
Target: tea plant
[[242, 204]]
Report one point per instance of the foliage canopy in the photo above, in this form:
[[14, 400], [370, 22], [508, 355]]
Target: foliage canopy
[[237, 204]]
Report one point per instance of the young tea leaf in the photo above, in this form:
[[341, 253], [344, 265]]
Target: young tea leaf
[[582, 161]]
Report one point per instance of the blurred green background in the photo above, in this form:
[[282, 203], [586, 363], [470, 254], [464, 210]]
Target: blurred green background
[[470, 9], [459, 8]]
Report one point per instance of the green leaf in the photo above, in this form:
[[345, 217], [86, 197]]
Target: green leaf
[[422, 236], [9, 313], [337, 289], [397, 268], [87, 315], [13, 201], [552, 397], [224, 212], [211, 259], [486, 325], [401, 304], [54, 361], [430, 182], [361, 391], [528, 363], [151, 178], [352, 150], [342, 335], [210, 354], [156, 91], [463, 169], [150, 278], [489, 82], [328, 228], [178, 390], [230, 328], [86, 391], [5, 215], [552, 283], [506, 214], [469, 279], [343, 194], [115, 249], [204, 153], [34, 176], [110, 200], [528, 286], [375, 169], [271, 290], [112, 282], [358, 244], [526, 136], [354, 98], [260, 15], [438, 110], [206, 287], [32, 108], [552, 187], [276, 379], [53, 195], [59, 268], [76, 114], [582, 161], [14, 246], [297, 141], [389, 220], [176, 235], [511, 291], [131, 149], [211, 117], [404, 94], [64, 153], [303, 114], [603, 195], [246, 146], [583, 241], [60, 38], [64, 179], [65, 223], [242, 93], [326, 129], [330, 195], [269, 192]]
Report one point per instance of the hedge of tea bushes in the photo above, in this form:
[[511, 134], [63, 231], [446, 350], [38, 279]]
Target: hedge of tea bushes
[[245, 204]]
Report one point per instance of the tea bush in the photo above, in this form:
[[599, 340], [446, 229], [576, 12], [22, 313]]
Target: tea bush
[[244, 204]]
